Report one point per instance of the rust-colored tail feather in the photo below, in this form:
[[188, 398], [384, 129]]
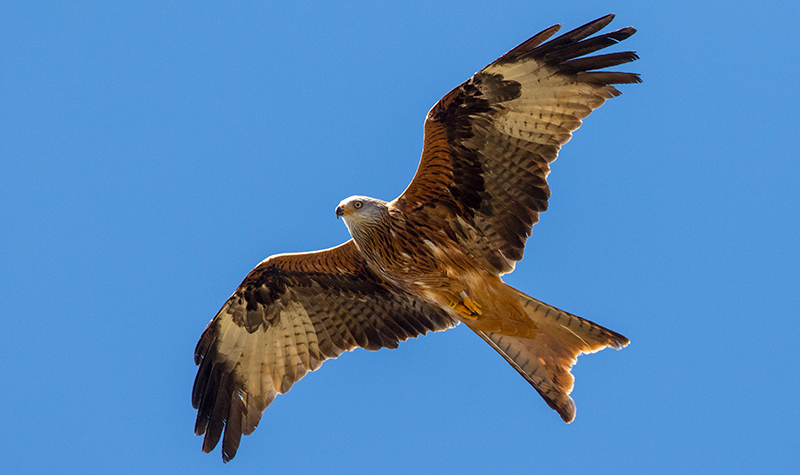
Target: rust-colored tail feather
[[545, 360]]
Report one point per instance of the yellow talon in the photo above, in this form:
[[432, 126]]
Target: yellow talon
[[472, 306], [468, 308]]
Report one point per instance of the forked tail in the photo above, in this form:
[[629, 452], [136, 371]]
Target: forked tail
[[545, 360]]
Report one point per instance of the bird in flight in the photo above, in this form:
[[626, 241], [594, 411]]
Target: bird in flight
[[433, 257]]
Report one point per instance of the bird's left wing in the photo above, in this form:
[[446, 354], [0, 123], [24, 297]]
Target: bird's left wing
[[489, 142], [291, 313]]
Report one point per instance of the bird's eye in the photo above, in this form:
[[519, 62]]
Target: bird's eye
[[357, 204]]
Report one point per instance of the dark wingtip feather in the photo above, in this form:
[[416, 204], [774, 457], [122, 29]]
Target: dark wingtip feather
[[216, 420], [602, 78], [528, 45], [593, 26], [599, 61], [573, 37], [233, 427], [622, 33]]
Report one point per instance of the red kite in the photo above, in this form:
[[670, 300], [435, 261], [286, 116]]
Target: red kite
[[434, 256]]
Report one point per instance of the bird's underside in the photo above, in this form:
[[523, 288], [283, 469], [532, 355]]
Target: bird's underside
[[434, 256]]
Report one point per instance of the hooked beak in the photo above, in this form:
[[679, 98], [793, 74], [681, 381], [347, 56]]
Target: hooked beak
[[339, 211]]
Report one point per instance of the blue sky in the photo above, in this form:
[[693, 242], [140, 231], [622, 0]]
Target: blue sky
[[152, 153]]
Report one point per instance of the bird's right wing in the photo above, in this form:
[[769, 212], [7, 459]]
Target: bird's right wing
[[291, 313]]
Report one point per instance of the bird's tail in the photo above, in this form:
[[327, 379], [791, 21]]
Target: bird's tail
[[546, 359]]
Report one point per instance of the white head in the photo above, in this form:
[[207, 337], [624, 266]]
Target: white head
[[360, 212]]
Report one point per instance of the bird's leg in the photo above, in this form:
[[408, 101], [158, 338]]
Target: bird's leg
[[468, 308], [470, 304]]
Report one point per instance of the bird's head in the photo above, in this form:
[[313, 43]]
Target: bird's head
[[360, 211]]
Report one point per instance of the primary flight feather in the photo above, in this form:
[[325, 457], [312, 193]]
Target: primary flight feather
[[433, 257]]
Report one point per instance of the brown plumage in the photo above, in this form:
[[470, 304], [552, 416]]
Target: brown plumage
[[434, 256]]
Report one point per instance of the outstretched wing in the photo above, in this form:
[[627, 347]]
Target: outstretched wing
[[291, 313], [490, 141]]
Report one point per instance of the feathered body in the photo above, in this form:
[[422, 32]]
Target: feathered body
[[440, 271], [435, 268], [434, 256]]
